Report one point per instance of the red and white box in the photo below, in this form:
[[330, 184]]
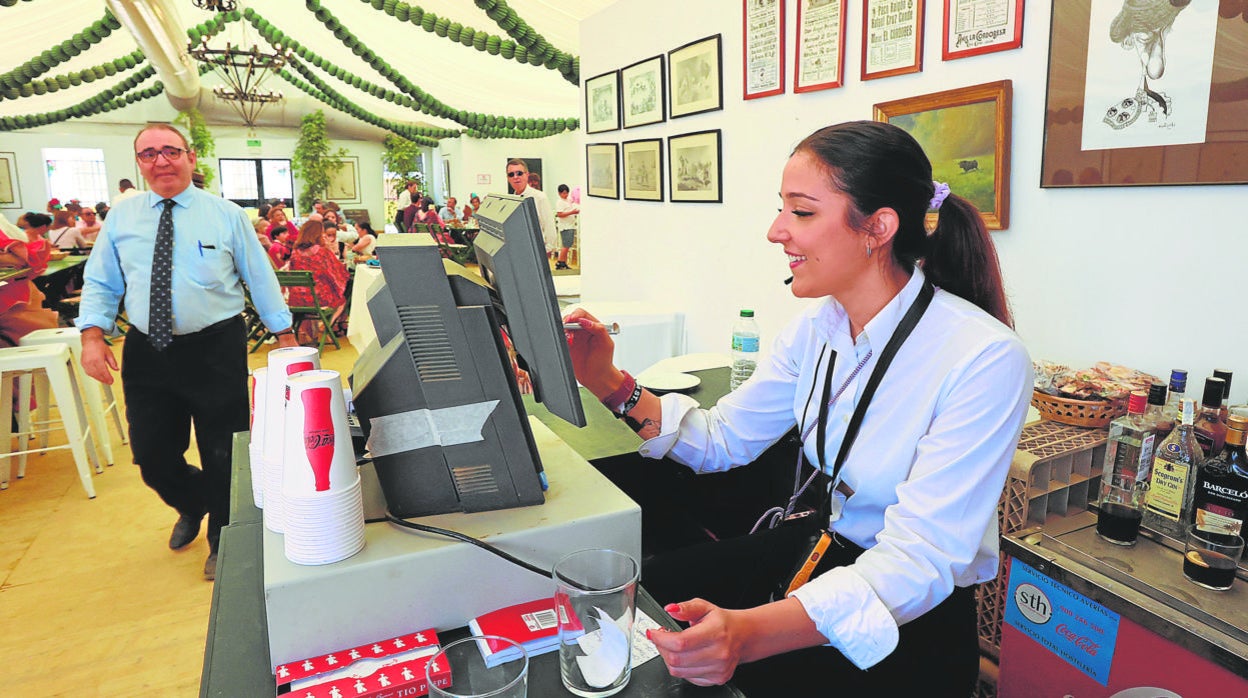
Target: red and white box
[[385, 669]]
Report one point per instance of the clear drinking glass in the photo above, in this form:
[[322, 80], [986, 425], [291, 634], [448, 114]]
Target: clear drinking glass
[[596, 601], [471, 678], [1210, 558], [1121, 509]]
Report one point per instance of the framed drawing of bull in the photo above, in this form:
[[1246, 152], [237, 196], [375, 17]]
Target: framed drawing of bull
[[966, 134]]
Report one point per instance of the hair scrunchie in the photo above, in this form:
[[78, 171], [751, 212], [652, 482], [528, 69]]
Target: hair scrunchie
[[942, 191]]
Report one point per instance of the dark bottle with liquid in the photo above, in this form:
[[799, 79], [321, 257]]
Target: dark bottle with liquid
[[1221, 497], [1226, 391], [1210, 429], [1155, 414]]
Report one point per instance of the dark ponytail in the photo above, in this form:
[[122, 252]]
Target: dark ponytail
[[878, 165]]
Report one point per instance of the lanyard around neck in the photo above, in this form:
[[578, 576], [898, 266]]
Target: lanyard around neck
[[904, 328]]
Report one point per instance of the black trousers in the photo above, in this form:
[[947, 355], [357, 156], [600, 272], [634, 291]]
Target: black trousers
[[200, 379], [938, 653]]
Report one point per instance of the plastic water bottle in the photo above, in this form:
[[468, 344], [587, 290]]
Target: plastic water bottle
[[744, 348]]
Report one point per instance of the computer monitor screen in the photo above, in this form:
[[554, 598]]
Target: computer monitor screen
[[513, 259]]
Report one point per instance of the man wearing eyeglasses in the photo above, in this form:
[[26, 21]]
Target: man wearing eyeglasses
[[518, 178], [178, 257]]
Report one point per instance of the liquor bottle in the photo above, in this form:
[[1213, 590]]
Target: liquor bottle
[[1221, 498], [1168, 509], [745, 336], [1210, 429], [1226, 391], [1129, 448], [1178, 385], [1155, 414]]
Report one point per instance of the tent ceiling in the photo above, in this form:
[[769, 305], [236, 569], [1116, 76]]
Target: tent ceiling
[[459, 76]]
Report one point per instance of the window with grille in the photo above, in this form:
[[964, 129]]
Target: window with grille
[[76, 173]]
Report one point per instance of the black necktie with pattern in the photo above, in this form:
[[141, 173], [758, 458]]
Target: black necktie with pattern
[[160, 310]]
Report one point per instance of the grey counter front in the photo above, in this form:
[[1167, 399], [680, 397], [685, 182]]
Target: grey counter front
[[236, 655]]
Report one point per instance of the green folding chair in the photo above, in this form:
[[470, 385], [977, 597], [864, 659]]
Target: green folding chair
[[317, 311]]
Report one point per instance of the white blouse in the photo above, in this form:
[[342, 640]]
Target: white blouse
[[927, 468]]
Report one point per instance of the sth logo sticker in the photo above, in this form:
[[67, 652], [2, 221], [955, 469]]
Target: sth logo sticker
[[1033, 604]]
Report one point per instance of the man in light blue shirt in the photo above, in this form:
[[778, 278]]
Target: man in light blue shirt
[[198, 375]]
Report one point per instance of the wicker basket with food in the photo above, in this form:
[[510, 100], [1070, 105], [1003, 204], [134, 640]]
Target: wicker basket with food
[[1091, 397]]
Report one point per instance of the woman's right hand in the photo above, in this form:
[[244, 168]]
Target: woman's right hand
[[592, 351]]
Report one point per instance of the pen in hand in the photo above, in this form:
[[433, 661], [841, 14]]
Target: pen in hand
[[612, 328]]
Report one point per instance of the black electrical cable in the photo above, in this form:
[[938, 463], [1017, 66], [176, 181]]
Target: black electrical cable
[[468, 539]]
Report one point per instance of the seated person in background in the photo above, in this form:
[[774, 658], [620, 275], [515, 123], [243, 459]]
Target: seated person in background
[[310, 254], [329, 238], [262, 227], [475, 202], [429, 215], [21, 303], [365, 243], [276, 217], [467, 216], [64, 235], [89, 222], [346, 237], [102, 209], [450, 211], [36, 225], [330, 216], [279, 250]]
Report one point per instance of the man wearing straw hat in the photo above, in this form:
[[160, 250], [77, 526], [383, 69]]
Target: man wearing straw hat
[[179, 257]]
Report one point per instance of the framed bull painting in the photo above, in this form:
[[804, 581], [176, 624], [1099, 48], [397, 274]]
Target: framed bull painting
[[966, 134]]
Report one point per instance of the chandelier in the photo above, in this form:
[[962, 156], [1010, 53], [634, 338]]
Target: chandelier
[[215, 5], [243, 70]]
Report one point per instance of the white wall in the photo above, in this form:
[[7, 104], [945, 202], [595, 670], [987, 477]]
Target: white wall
[[116, 139], [1150, 277]]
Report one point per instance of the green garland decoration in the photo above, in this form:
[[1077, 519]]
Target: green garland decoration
[[528, 46], [115, 97], [74, 79], [533, 42], [332, 98], [479, 125], [50, 58]]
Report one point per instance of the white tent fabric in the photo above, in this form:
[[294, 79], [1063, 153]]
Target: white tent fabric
[[459, 76]]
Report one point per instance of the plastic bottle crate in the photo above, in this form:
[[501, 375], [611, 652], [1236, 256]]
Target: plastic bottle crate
[[1055, 473]]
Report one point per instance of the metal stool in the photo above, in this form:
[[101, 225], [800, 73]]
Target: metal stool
[[57, 363], [99, 396]]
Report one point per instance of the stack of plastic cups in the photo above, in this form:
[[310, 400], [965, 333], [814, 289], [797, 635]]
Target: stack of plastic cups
[[255, 448], [282, 364], [321, 485]]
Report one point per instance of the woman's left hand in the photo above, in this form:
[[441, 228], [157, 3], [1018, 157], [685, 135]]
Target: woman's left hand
[[708, 652]]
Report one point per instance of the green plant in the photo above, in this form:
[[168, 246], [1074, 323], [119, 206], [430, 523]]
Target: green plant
[[202, 142], [401, 161], [314, 161]]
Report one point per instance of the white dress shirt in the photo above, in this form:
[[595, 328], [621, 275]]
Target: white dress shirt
[[544, 216], [927, 468]]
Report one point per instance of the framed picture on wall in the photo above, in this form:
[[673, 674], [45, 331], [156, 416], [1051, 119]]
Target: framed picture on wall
[[695, 169], [762, 48], [602, 103], [892, 38], [602, 162], [1176, 113], [10, 196], [966, 134], [982, 26], [820, 62], [695, 77], [643, 170], [344, 182], [643, 90]]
